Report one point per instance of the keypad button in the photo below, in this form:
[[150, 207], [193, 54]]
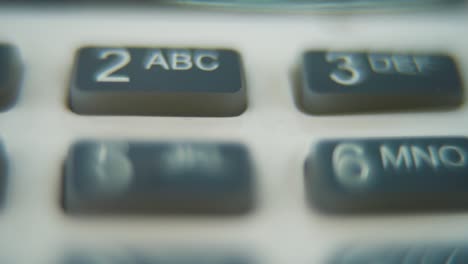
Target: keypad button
[[138, 177], [158, 81], [427, 254], [385, 174], [10, 74], [342, 82], [135, 256], [3, 171]]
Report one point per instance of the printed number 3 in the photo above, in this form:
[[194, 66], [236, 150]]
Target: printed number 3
[[107, 73], [349, 70]]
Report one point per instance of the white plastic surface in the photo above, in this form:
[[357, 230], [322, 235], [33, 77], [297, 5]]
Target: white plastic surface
[[282, 229]]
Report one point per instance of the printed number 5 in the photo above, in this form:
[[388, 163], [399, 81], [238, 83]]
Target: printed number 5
[[349, 69], [107, 73]]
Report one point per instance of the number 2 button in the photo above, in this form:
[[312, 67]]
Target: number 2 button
[[158, 81]]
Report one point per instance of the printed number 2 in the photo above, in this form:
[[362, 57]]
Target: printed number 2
[[349, 70], [107, 73]]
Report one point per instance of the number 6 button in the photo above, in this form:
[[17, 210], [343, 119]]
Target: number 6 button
[[340, 82], [158, 81], [388, 174]]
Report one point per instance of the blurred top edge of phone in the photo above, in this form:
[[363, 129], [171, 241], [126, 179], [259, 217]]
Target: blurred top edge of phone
[[264, 5]]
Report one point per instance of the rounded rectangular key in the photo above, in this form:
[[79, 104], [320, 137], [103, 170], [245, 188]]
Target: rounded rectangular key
[[3, 171], [341, 82], [148, 177], [182, 255], [391, 254], [9, 75], [158, 81], [388, 174]]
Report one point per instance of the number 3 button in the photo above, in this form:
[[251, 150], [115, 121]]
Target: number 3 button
[[158, 81], [340, 82]]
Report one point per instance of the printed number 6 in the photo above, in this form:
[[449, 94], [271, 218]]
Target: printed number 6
[[350, 165], [122, 59], [349, 73]]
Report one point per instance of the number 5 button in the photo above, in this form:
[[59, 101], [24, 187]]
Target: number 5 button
[[158, 81], [340, 82]]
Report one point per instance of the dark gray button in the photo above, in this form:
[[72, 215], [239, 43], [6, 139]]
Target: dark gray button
[[3, 171], [383, 255], [340, 82], [117, 177], [133, 256], [359, 175], [427, 254], [158, 81], [9, 75]]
